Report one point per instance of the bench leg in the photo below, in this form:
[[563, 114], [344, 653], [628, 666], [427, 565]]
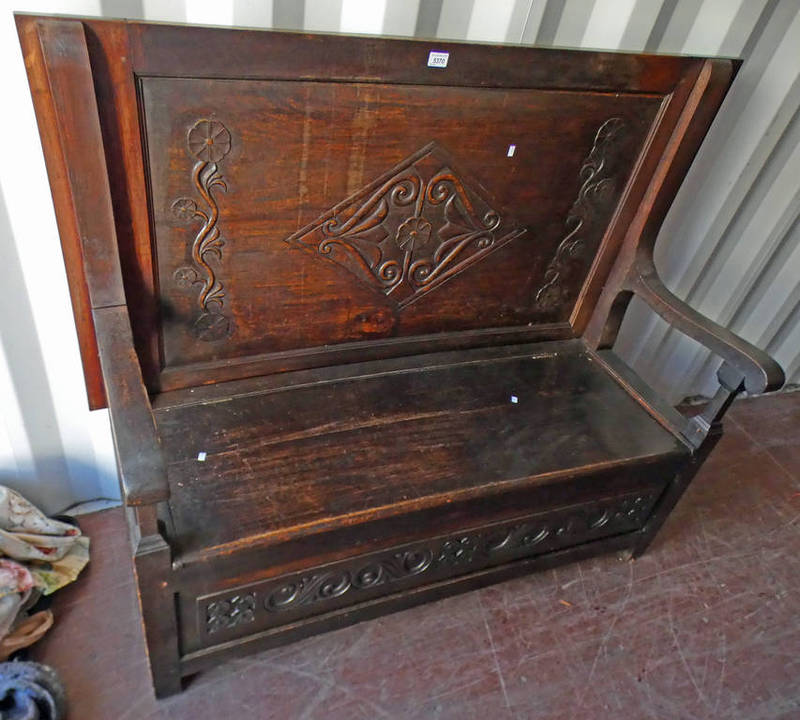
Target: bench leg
[[157, 604], [672, 494]]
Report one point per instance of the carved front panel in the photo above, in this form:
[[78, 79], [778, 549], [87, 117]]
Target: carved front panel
[[282, 600], [291, 216]]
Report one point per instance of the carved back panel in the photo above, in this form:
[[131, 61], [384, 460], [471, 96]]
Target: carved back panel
[[292, 215], [286, 201]]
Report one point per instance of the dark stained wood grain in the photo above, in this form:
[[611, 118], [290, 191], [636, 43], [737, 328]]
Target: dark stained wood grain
[[266, 364], [70, 104], [151, 566], [142, 473], [71, 91], [760, 372], [58, 65], [676, 487], [213, 53], [279, 602], [396, 442], [349, 371], [210, 657], [635, 271], [741, 499], [115, 88], [354, 348], [660, 132], [317, 231]]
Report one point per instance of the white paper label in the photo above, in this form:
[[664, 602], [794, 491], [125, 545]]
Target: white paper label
[[511, 150], [437, 59]]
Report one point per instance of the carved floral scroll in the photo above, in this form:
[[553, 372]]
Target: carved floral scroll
[[412, 229], [597, 186], [208, 141], [265, 602]]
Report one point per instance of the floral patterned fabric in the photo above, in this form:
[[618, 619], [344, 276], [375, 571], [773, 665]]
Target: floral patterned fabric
[[38, 555]]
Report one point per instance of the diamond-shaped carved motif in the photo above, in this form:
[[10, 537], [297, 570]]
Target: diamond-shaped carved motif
[[412, 229]]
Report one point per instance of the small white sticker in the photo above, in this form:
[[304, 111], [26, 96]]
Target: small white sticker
[[514, 399], [437, 59], [201, 457], [511, 150]]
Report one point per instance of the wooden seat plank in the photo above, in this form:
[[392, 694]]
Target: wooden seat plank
[[388, 443]]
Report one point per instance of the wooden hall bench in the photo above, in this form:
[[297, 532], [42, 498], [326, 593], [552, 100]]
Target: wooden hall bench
[[350, 305]]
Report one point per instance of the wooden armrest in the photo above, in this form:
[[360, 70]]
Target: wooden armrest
[[62, 84], [143, 477], [760, 372]]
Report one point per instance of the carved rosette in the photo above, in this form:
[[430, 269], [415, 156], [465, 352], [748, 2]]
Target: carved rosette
[[208, 141], [441, 558], [229, 613], [598, 185], [412, 229]]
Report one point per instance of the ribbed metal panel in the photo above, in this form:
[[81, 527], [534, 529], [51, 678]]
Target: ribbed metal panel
[[730, 245]]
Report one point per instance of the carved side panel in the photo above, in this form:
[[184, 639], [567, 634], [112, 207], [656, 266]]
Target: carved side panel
[[598, 185], [208, 141], [278, 601], [411, 230]]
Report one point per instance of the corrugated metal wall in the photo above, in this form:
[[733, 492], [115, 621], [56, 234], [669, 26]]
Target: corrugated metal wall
[[730, 245]]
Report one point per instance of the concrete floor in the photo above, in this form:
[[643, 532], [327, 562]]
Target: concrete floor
[[705, 625]]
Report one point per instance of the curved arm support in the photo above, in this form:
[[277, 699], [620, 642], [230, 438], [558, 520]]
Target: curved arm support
[[760, 372]]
